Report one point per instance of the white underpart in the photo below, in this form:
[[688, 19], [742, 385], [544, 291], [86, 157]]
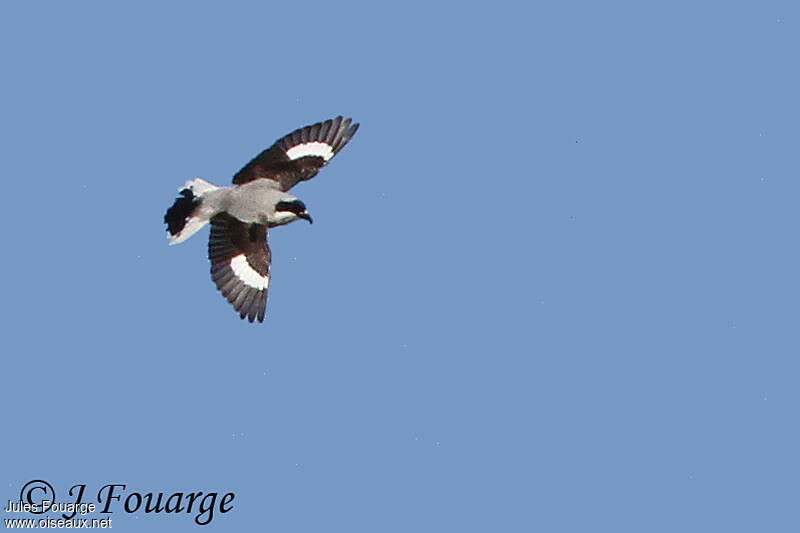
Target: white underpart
[[317, 149], [193, 225], [281, 217], [245, 272]]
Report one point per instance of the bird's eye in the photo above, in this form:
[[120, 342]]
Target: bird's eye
[[294, 206]]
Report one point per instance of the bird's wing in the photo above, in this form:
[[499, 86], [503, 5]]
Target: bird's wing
[[299, 155], [240, 259]]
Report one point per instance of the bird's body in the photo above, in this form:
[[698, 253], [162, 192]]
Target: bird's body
[[240, 215], [253, 203]]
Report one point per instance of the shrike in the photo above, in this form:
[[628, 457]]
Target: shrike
[[241, 215]]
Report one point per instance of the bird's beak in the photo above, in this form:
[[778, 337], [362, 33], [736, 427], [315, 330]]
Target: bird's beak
[[305, 216]]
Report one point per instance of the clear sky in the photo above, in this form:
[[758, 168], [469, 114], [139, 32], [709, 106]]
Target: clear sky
[[552, 283]]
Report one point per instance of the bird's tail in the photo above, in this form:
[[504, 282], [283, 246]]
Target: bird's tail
[[185, 217]]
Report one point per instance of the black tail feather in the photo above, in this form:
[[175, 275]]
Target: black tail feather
[[179, 213]]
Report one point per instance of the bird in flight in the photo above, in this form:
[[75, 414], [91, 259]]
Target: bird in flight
[[241, 215]]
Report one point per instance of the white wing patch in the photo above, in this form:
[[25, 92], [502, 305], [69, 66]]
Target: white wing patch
[[317, 149], [246, 273]]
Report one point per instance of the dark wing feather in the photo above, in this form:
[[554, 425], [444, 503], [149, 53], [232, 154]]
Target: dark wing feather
[[240, 259], [300, 155]]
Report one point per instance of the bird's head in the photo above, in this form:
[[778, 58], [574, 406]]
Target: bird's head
[[288, 210]]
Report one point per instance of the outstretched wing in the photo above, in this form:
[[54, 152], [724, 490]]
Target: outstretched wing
[[240, 259], [299, 155]]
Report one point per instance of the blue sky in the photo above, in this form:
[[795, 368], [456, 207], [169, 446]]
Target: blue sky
[[551, 284]]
